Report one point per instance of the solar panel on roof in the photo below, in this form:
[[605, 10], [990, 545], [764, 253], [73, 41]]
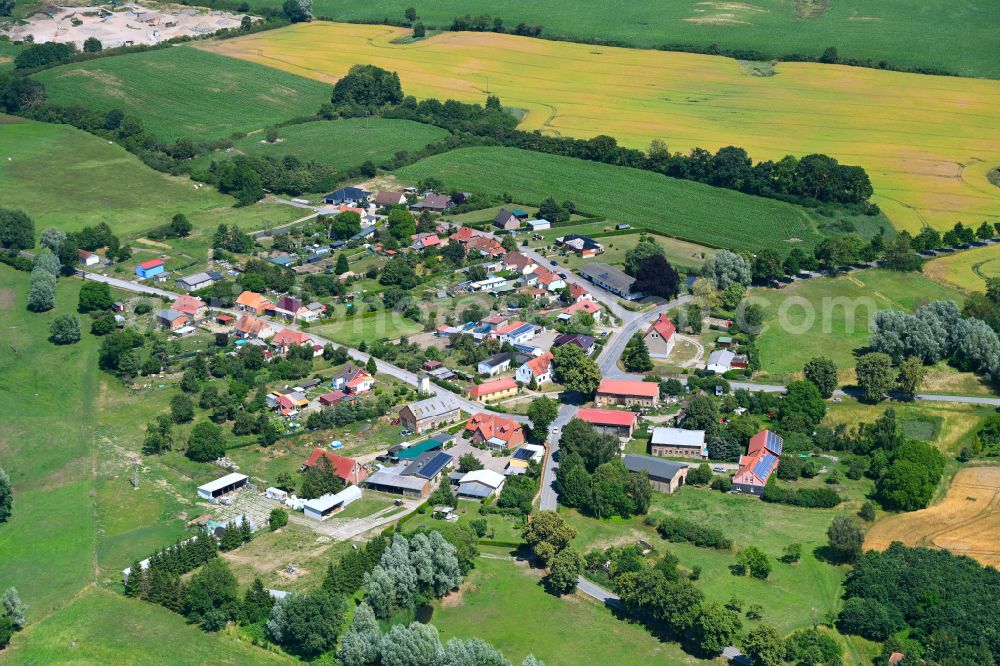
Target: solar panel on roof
[[433, 466], [523, 454], [763, 467], [774, 442]]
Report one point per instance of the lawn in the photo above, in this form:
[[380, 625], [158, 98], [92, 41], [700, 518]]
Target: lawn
[[906, 34], [967, 270], [185, 92], [342, 144], [794, 596], [681, 254], [351, 331], [498, 527], [689, 210], [926, 142], [503, 603], [831, 316], [102, 627]]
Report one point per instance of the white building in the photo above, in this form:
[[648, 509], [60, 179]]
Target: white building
[[223, 485], [720, 361], [322, 507]]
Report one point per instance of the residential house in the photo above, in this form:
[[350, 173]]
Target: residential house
[[286, 338], [436, 203], [678, 443], [722, 360], [494, 320], [353, 379], [759, 463], [519, 263], [610, 279], [199, 280], [538, 369], [584, 342], [665, 476], [288, 307], [429, 413], [324, 506], [590, 307], [313, 312], [389, 198], [88, 258], [250, 301], [615, 422], [659, 337], [347, 469], [548, 280], [516, 333], [579, 293], [346, 195], [496, 364], [148, 269], [583, 246], [497, 433], [480, 484], [171, 319], [486, 247], [626, 393], [506, 220], [192, 306], [466, 234], [424, 241], [248, 326], [498, 389]]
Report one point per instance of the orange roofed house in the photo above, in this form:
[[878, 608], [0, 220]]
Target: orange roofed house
[[496, 432], [498, 389], [192, 306], [252, 327], [759, 463], [287, 337], [348, 469], [538, 368], [250, 301], [626, 393]]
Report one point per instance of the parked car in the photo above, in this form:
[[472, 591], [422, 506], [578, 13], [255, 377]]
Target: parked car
[[553, 263], [718, 468]]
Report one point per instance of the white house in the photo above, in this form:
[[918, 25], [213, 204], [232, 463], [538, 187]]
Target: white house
[[495, 364], [490, 282], [538, 368], [517, 333], [720, 361]]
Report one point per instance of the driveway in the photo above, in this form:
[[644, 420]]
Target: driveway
[[464, 446]]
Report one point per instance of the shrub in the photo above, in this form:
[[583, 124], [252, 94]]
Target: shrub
[[679, 530]]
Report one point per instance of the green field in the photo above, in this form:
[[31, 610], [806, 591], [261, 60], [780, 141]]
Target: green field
[[907, 33], [681, 254], [69, 179], [342, 144], [504, 603], [793, 596], [185, 92], [685, 209], [103, 627], [351, 331], [831, 316]]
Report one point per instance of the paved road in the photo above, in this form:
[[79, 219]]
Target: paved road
[[127, 285], [597, 592]]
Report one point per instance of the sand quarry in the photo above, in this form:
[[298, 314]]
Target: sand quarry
[[125, 25], [966, 521]]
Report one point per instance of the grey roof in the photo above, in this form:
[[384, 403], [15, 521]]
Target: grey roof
[[432, 407], [722, 357], [428, 465], [198, 278], [169, 314], [392, 479], [475, 489], [609, 275], [498, 359], [657, 468]]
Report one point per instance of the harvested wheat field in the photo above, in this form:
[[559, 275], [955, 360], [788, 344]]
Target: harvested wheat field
[[965, 522], [926, 141]]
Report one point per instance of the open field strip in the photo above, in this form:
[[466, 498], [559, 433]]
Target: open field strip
[[967, 270], [906, 33], [927, 142], [965, 521]]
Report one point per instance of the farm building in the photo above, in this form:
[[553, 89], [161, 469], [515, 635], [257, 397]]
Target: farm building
[[610, 421], [198, 281], [276, 494], [222, 486], [412, 478], [516, 333], [665, 476], [429, 413], [759, 463], [148, 269], [626, 393], [659, 337], [416, 450], [539, 225], [498, 389], [88, 258], [347, 469], [389, 198], [429, 465], [678, 443], [495, 432], [480, 484], [325, 506], [610, 279]]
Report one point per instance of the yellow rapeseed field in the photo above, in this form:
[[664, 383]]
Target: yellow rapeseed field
[[926, 141], [966, 270]]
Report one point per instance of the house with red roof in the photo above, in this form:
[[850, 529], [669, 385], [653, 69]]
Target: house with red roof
[[659, 337], [192, 306], [88, 258], [615, 422], [487, 247], [538, 368], [347, 469], [248, 326], [424, 241], [759, 463], [590, 307], [498, 389], [497, 433], [287, 337], [515, 261], [545, 279], [466, 234], [353, 379], [626, 393], [250, 301], [578, 293]]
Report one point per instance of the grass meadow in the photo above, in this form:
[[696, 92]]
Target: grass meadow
[[341, 144], [351, 331], [906, 35], [185, 92], [831, 316], [967, 270], [66, 178], [689, 210], [926, 142]]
